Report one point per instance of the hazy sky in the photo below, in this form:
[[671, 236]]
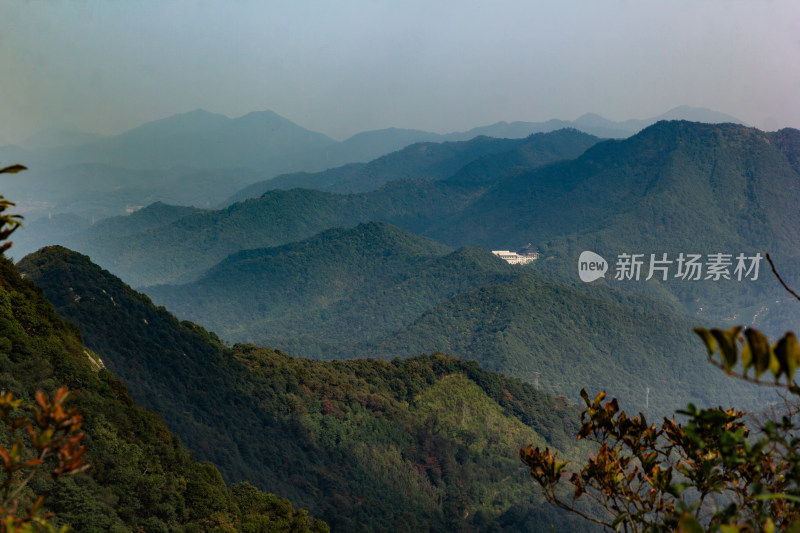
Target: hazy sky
[[340, 66]]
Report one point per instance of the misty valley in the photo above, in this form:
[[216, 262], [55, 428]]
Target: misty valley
[[266, 329]]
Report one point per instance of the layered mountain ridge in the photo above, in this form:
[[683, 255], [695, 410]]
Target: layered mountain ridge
[[201, 158], [428, 442], [140, 477], [380, 290]]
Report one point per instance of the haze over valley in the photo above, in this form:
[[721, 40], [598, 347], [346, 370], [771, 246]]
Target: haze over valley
[[364, 266]]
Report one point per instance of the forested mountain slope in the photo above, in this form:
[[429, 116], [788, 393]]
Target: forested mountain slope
[[141, 478], [379, 290], [673, 184], [431, 161], [180, 250], [428, 442], [676, 186], [339, 286]]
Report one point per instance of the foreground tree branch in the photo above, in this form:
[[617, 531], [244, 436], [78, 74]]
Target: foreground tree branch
[[703, 475], [53, 436]]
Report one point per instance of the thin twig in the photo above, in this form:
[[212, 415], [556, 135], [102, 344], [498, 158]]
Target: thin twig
[[45, 453], [583, 515], [791, 387], [775, 271]]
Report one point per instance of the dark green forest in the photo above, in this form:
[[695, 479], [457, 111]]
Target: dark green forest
[[340, 286], [141, 478], [379, 290], [424, 443]]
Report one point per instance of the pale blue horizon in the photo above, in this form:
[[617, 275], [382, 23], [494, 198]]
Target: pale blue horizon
[[345, 67]]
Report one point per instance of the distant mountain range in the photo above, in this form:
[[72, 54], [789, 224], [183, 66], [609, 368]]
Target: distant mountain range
[[435, 161], [674, 187], [682, 183], [261, 139], [201, 158], [424, 160], [174, 253]]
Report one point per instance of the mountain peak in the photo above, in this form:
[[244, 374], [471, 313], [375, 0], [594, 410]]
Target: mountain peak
[[672, 127], [198, 112], [592, 119], [381, 237], [51, 258], [265, 115], [698, 114], [177, 125]]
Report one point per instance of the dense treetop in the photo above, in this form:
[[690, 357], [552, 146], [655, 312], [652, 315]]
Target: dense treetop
[[140, 476], [366, 444]]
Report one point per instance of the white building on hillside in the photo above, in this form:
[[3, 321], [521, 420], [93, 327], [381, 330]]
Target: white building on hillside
[[521, 257]]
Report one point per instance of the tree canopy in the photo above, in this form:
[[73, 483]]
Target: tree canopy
[[710, 471]]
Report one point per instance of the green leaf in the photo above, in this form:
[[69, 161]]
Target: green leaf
[[747, 357], [13, 169], [759, 349], [787, 351], [689, 524], [788, 497], [774, 365], [617, 523], [708, 339], [727, 345]]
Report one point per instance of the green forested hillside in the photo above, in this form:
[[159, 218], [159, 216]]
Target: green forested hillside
[[426, 443], [151, 216], [635, 348], [181, 250], [675, 187], [375, 291], [431, 161], [340, 286], [322, 181], [379, 290], [719, 184], [140, 478]]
